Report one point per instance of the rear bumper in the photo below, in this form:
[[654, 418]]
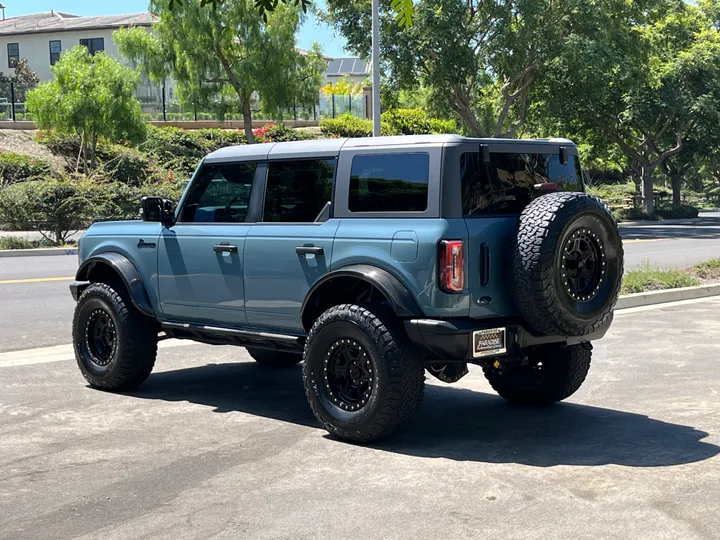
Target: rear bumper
[[451, 339]]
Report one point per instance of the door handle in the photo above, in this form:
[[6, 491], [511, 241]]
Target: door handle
[[309, 250], [225, 248]]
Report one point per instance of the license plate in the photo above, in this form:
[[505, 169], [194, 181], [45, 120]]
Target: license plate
[[489, 342]]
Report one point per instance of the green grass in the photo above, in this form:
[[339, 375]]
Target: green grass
[[709, 270], [647, 278]]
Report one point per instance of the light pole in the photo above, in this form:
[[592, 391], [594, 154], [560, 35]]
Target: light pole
[[376, 67]]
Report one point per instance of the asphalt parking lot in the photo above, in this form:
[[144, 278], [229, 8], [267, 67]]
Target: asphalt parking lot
[[214, 446]]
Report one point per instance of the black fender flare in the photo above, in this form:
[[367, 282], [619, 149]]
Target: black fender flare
[[122, 266], [401, 300]]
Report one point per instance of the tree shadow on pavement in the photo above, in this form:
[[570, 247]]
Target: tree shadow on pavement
[[706, 227], [454, 423]]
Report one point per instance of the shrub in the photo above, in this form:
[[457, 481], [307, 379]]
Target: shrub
[[220, 138], [683, 211], [13, 242], [68, 147], [18, 167], [346, 126], [279, 133], [393, 122], [122, 201], [635, 214], [176, 149], [129, 167], [414, 122], [58, 207]]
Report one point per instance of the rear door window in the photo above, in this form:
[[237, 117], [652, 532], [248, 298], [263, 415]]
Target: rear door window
[[506, 184], [389, 183], [297, 191]]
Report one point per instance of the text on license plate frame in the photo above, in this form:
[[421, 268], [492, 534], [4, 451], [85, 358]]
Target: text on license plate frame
[[489, 342]]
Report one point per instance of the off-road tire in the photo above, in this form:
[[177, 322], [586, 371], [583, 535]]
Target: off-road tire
[[540, 285], [397, 387], [274, 359], [133, 356], [562, 372]]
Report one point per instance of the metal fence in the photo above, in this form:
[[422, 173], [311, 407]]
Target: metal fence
[[158, 105], [12, 101]]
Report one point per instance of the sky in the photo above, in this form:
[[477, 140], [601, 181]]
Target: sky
[[333, 45]]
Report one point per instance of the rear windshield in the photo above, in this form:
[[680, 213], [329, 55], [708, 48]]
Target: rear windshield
[[506, 184]]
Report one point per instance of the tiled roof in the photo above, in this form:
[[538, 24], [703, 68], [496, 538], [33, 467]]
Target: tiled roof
[[347, 66], [63, 22]]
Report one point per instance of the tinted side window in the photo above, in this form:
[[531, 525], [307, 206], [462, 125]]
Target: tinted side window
[[389, 183], [298, 190], [220, 194], [506, 184]]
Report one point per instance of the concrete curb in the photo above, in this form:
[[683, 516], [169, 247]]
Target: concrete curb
[[670, 295], [648, 223], [37, 252]]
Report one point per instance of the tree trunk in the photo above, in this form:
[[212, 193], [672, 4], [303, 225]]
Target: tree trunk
[[647, 189], [676, 177], [247, 121], [93, 153]]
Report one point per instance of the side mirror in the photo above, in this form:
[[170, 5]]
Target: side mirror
[[157, 209]]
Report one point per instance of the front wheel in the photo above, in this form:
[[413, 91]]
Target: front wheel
[[362, 379], [115, 345], [553, 373]]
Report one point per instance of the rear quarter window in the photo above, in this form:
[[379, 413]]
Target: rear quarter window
[[506, 184], [389, 183]]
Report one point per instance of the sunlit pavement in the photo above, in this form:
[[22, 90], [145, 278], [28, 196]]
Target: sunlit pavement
[[214, 446]]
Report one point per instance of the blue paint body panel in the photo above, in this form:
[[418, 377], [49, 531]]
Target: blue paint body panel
[[263, 282]]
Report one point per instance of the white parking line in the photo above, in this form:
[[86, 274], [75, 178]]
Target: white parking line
[[61, 353]]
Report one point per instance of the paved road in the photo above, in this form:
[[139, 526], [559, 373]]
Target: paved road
[[214, 446], [39, 313], [672, 245]]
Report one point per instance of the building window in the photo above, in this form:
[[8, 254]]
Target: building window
[[389, 183], [13, 54], [55, 50], [93, 45]]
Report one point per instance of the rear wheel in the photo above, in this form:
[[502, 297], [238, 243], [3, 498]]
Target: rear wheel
[[274, 359], [362, 379], [115, 345], [553, 373]]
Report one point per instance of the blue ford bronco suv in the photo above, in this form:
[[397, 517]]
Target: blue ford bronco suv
[[371, 261]]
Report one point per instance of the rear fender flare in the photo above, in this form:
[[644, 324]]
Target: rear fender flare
[[400, 299]]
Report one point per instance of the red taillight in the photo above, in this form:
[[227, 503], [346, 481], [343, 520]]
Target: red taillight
[[452, 272]]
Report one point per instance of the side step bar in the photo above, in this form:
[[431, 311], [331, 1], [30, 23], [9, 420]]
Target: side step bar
[[215, 335]]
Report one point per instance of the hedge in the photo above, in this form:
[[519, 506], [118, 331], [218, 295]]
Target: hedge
[[19, 167], [393, 122]]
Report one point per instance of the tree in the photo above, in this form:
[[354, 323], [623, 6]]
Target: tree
[[91, 96], [229, 54], [477, 59], [643, 76]]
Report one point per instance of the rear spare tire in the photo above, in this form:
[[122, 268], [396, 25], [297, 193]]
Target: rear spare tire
[[567, 264]]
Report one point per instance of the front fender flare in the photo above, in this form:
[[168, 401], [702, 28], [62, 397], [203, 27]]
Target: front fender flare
[[401, 300], [122, 266]]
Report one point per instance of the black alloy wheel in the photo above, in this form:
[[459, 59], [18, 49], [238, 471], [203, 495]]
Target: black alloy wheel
[[583, 265], [349, 375], [100, 338]]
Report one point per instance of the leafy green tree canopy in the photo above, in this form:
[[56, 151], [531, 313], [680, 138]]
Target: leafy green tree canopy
[[231, 53], [91, 96]]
